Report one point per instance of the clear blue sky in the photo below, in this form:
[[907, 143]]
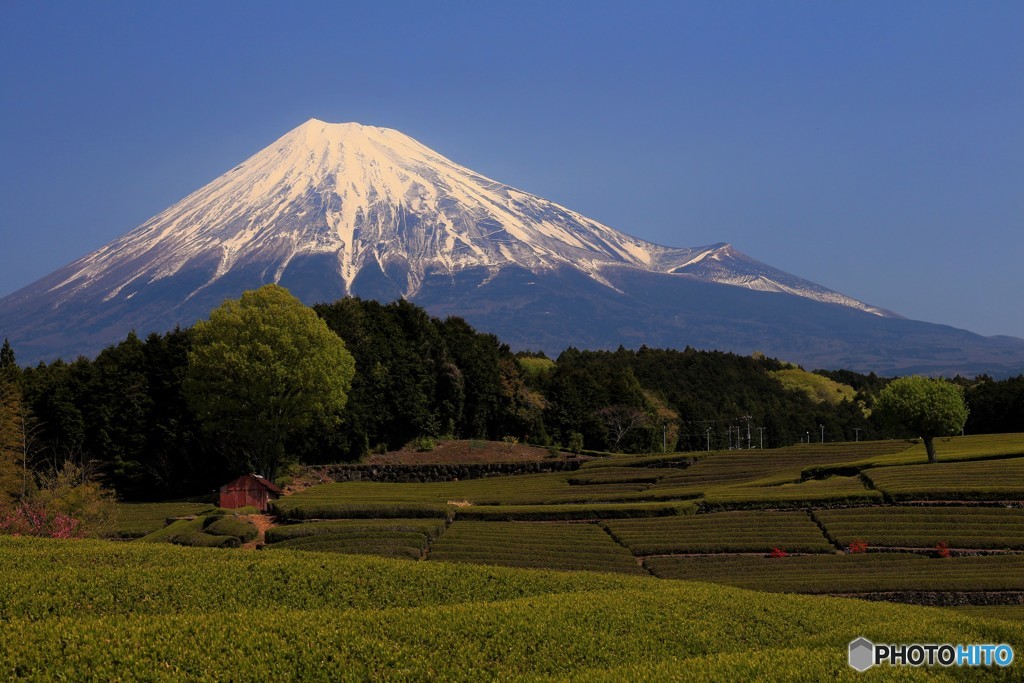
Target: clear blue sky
[[876, 148]]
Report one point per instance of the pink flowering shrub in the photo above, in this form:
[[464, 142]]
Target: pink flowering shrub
[[778, 552], [31, 519]]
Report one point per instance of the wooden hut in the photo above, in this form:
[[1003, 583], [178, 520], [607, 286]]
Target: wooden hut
[[248, 490]]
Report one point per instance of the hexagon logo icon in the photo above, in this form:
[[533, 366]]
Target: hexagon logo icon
[[862, 654]]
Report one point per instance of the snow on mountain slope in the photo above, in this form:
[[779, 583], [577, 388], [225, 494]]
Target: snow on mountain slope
[[725, 265], [366, 196]]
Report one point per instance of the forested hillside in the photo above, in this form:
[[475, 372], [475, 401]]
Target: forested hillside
[[124, 415]]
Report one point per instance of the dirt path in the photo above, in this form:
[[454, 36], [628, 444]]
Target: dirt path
[[262, 523]]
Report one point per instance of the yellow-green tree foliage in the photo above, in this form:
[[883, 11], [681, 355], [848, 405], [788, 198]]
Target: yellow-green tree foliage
[[818, 388], [262, 370], [925, 407], [72, 492]]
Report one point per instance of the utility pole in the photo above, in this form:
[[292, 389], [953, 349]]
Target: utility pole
[[748, 432], [760, 432], [822, 433], [709, 439], [856, 434], [664, 428]]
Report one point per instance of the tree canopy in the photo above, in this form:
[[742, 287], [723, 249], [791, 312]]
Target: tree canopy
[[926, 407], [126, 415], [262, 370], [12, 432]]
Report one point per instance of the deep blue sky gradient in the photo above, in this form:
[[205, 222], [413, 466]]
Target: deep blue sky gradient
[[876, 148]]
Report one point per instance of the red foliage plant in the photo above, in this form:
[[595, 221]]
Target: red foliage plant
[[858, 546], [942, 549], [30, 519], [778, 552]]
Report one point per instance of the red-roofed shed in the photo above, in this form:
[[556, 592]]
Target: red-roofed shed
[[248, 490]]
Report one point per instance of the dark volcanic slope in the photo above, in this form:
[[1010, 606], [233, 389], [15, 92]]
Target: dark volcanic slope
[[548, 311]]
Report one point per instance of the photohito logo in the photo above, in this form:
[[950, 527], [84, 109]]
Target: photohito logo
[[864, 654]]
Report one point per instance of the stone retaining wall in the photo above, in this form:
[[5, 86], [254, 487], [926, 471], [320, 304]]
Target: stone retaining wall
[[445, 472]]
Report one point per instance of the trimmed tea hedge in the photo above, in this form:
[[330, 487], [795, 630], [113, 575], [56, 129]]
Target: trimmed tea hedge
[[832, 491], [924, 527], [737, 532], [105, 611], [289, 508], [135, 520], [859, 573], [976, 480], [569, 512], [409, 545], [429, 528], [241, 529], [533, 544]]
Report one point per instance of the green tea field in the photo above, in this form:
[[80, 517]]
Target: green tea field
[[156, 612], [605, 572]]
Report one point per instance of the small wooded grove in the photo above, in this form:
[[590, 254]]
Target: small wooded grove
[[124, 415]]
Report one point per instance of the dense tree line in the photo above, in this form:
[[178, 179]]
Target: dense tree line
[[125, 414], [996, 407]]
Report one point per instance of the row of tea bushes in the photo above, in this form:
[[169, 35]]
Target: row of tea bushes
[[534, 544], [92, 610], [1001, 479], [721, 532], [926, 526], [210, 531], [402, 538], [839, 573]]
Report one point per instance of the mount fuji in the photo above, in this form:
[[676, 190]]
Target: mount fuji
[[330, 210]]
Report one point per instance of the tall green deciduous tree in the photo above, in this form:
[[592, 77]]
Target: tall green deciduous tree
[[262, 370], [926, 407]]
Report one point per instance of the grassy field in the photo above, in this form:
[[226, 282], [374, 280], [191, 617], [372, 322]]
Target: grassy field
[[165, 613]]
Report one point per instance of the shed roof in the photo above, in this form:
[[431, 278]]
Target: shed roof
[[257, 479]]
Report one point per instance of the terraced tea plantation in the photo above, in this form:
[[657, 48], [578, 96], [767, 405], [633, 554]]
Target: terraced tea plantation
[[633, 540], [135, 520], [534, 544], [869, 519], [926, 526], [718, 517], [731, 532], [994, 480], [102, 610], [846, 574], [404, 538]]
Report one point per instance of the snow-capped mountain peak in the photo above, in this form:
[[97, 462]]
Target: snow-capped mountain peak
[[369, 196], [365, 195], [334, 209]]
